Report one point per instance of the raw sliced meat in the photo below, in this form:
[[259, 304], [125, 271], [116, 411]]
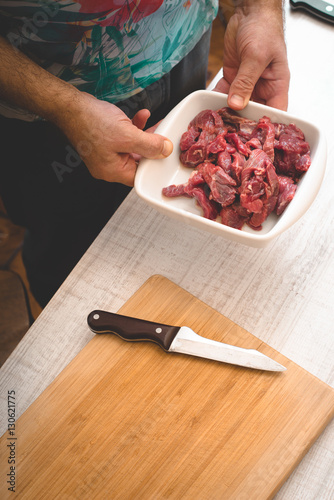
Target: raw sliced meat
[[189, 138], [259, 185], [234, 139], [173, 191], [287, 189], [265, 133], [230, 217], [209, 207], [208, 120], [243, 170], [221, 185]]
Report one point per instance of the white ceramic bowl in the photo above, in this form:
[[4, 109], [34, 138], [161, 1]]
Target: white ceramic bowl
[[153, 175]]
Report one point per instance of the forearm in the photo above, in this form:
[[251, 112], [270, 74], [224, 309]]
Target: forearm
[[267, 12], [247, 6], [106, 139], [28, 86]]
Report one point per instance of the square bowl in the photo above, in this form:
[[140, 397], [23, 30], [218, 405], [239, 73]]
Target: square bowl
[[153, 175]]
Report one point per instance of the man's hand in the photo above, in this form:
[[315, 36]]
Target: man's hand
[[255, 63], [109, 142]]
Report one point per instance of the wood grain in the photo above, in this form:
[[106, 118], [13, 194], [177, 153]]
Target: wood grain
[[126, 420]]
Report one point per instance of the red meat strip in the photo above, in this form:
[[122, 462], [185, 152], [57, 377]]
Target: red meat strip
[[197, 153], [194, 188], [291, 164], [189, 138], [230, 217], [230, 149], [256, 221], [259, 187], [224, 160], [217, 145], [303, 163], [292, 130], [196, 178], [291, 148], [173, 191], [246, 130], [252, 182], [230, 116], [287, 189], [235, 140], [278, 129], [209, 207], [265, 133], [253, 143], [220, 183], [292, 144], [208, 120], [237, 166]]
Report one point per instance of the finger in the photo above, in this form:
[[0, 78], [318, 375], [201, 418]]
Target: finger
[[136, 157], [222, 86], [243, 85], [151, 145], [140, 118], [128, 172], [278, 96], [279, 102], [123, 171]]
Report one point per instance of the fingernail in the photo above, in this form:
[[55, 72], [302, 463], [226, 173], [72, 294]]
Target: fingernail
[[168, 148], [236, 101]]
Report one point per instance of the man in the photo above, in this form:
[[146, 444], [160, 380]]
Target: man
[[81, 80]]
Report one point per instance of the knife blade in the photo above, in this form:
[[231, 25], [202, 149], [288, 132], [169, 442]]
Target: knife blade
[[178, 339]]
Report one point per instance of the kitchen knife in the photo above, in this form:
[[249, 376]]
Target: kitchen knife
[[323, 9], [178, 339]]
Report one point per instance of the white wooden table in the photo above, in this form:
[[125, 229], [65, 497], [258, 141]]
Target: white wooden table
[[283, 294]]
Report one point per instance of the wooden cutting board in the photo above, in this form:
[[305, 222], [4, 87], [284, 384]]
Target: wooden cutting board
[[128, 421]]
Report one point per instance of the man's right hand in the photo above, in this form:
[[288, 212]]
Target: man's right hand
[[107, 140]]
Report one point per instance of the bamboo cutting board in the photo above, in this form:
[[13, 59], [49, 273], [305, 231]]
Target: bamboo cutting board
[[128, 421]]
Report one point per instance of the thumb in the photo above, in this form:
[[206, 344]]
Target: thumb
[[151, 145], [243, 84]]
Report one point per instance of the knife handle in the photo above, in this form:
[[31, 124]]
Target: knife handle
[[132, 329]]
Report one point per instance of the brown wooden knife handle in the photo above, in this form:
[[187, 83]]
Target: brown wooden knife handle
[[132, 329]]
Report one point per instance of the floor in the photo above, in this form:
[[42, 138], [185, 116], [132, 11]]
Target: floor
[[18, 308]]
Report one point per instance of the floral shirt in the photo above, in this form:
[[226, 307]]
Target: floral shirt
[[109, 48]]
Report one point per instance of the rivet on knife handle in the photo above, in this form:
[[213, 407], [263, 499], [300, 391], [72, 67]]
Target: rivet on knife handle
[[132, 329]]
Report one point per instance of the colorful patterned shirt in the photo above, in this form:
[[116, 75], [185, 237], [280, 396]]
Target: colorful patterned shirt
[[111, 49]]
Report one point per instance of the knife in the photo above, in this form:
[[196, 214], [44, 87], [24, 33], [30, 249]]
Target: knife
[[178, 339], [323, 9]]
